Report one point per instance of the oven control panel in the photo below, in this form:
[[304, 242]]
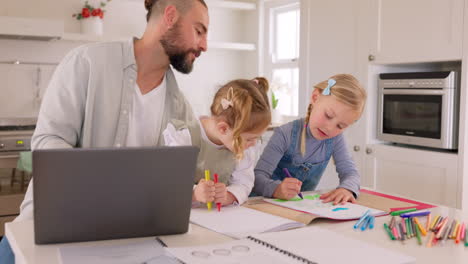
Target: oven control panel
[[418, 80], [416, 83], [15, 143]]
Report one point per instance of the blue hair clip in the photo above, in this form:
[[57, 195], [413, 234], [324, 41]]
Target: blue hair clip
[[326, 91]]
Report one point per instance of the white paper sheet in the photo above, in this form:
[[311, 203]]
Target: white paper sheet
[[239, 222], [314, 244], [149, 251]]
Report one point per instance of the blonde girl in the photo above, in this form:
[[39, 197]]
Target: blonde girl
[[240, 114], [305, 146]]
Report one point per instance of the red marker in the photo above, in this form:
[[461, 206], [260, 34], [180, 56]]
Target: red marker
[[216, 181]]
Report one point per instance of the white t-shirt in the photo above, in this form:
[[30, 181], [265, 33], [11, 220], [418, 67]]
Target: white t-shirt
[[242, 179], [145, 117]]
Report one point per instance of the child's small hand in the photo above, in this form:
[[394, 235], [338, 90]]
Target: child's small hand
[[339, 195], [222, 195], [288, 189], [204, 191]]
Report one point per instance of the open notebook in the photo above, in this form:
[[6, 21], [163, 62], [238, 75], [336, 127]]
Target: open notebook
[[306, 245], [313, 205], [239, 222]]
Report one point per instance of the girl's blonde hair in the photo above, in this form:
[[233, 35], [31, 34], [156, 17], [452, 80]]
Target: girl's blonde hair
[[347, 90], [244, 106]]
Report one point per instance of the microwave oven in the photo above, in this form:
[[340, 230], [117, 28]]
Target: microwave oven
[[419, 108]]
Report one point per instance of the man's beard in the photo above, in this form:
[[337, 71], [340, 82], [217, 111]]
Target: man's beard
[[177, 56]]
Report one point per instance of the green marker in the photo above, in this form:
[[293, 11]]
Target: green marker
[[312, 197], [466, 237], [408, 231], [295, 199], [418, 234], [395, 213], [389, 232]]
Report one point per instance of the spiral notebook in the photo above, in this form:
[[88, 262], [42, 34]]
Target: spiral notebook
[[305, 245]]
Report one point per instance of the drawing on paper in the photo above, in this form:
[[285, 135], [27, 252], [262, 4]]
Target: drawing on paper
[[314, 205]]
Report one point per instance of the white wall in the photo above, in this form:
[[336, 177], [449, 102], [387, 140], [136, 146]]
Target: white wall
[[326, 51], [127, 18]]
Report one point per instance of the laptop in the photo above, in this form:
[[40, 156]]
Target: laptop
[[97, 194]]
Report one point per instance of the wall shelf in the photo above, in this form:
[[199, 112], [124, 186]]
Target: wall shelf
[[231, 45], [231, 4], [211, 44], [90, 38]]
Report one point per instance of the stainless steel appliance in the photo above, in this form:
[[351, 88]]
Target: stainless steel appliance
[[16, 133], [419, 108]]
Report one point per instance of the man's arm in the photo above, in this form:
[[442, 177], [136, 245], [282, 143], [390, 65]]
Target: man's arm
[[62, 111]]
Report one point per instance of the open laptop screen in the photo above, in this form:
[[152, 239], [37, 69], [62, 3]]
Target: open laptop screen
[[94, 194]]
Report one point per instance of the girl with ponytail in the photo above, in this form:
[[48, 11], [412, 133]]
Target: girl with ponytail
[[240, 114], [305, 146]]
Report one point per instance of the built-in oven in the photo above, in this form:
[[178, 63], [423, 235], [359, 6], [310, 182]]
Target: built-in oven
[[16, 133], [419, 108]]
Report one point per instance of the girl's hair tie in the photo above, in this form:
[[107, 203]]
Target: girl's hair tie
[[327, 91], [227, 102]]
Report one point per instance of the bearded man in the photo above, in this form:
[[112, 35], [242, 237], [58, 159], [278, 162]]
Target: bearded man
[[119, 94]]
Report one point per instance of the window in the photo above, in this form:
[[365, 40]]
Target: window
[[281, 60]]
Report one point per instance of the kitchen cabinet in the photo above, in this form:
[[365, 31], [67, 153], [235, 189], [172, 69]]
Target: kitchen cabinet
[[9, 208], [233, 24], [23, 88], [420, 174], [415, 31], [328, 48]]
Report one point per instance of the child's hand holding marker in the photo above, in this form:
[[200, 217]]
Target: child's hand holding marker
[[204, 192], [222, 196], [288, 189], [208, 191]]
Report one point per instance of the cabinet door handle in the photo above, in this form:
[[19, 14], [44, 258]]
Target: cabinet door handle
[[368, 150], [356, 148], [371, 57]]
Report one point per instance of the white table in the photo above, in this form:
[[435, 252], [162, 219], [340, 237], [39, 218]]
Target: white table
[[21, 237]]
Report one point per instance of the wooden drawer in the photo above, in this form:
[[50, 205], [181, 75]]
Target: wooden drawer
[[3, 220], [10, 203]]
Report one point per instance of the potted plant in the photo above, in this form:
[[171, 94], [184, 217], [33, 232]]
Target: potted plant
[[275, 114], [91, 17]]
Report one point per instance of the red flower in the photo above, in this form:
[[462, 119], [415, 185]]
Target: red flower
[[95, 12], [90, 11], [100, 13], [85, 12]]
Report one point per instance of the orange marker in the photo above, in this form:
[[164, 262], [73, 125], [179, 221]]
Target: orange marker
[[458, 234], [423, 231], [216, 181]]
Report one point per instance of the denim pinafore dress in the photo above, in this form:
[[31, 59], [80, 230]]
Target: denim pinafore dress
[[308, 173]]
